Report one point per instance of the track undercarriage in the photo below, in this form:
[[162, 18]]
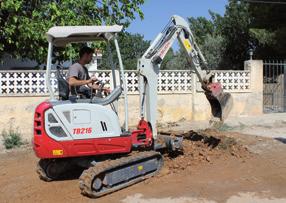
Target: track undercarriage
[[106, 176]]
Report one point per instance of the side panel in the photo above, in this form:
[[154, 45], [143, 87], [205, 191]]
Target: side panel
[[60, 143], [46, 147], [88, 121]]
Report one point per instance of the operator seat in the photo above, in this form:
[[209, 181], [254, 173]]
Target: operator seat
[[64, 92], [63, 85]]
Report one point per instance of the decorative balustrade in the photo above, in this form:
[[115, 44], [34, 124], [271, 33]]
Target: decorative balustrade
[[168, 82], [32, 83], [234, 81]]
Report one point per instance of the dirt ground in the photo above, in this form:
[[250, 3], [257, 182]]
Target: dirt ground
[[217, 166]]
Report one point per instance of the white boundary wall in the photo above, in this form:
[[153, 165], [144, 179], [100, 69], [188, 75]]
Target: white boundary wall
[[180, 95]]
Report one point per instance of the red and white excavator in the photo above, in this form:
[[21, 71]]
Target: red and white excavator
[[70, 131]]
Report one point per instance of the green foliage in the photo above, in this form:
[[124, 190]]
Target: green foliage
[[175, 60], [132, 47], [167, 63], [213, 48], [235, 30], [268, 25], [264, 37], [224, 40], [12, 138], [208, 36], [23, 24], [201, 28]]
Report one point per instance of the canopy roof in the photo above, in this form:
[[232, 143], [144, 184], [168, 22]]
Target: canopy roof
[[62, 35]]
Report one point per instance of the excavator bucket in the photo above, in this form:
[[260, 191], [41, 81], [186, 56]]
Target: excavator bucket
[[221, 103]]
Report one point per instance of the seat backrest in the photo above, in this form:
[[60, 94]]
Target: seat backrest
[[63, 85]]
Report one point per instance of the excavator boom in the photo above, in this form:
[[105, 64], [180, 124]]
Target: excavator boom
[[149, 66]]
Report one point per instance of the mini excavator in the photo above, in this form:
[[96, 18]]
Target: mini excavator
[[72, 131]]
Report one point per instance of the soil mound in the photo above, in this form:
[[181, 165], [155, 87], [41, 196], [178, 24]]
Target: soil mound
[[202, 147]]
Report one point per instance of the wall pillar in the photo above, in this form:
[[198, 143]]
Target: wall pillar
[[256, 85]]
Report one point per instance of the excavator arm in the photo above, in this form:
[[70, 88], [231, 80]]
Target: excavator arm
[[149, 67]]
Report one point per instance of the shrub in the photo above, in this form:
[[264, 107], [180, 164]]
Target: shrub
[[12, 138]]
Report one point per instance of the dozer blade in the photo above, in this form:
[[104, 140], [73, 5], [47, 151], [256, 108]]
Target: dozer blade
[[221, 104]]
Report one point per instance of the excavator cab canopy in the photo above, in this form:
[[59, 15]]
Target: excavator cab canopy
[[60, 36]]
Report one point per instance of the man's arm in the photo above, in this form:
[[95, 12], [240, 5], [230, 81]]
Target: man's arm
[[74, 76], [75, 82]]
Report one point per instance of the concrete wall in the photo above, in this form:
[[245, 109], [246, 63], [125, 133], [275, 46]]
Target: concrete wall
[[18, 111], [171, 108]]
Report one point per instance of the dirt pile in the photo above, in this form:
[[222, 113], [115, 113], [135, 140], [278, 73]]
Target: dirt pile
[[202, 147]]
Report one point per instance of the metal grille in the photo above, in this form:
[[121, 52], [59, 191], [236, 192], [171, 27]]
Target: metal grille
[[274, 86], [58, 131]]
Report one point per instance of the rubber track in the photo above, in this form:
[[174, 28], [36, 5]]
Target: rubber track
[[87, 177], [41, 171]]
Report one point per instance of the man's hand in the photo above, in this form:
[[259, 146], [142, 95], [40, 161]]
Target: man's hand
[[106, 90], [93, 79]]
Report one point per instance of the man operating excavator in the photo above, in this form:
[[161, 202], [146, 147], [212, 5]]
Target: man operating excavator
[[78, 78]]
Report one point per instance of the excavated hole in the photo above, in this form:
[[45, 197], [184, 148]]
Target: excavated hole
[[202, 147]]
